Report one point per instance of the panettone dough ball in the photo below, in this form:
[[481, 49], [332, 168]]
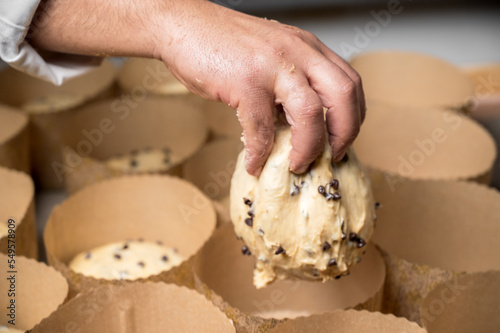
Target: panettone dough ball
[[312, 226]]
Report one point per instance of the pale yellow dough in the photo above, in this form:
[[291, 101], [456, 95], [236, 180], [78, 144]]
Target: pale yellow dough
[[146, 160], [128, 260], [307, 226], [5, 329], [4, 230], [53, 103]]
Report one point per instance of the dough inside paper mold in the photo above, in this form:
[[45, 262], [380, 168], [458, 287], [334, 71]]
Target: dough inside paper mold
[[313, 226]]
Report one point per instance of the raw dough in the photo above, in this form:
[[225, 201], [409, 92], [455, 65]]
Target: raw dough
[[293, 229], [126, 260], [145, 160]]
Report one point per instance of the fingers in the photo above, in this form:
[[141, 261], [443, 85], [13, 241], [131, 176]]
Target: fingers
[[304, 112], [255, 114], [339, 95], [335, 58]]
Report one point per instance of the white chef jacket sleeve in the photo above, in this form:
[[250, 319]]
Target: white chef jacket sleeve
[[15, 19]]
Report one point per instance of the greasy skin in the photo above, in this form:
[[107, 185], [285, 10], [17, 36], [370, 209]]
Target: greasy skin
[[252, 64], [103, 264], [302, 220], [152, 160]]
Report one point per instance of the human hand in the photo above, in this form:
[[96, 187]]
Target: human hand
[[250, 63], [254, 64]]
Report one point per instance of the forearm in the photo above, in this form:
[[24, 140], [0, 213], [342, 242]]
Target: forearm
[[107, 28]]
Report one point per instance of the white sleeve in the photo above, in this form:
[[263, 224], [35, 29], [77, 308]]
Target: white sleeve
[[15, 19]]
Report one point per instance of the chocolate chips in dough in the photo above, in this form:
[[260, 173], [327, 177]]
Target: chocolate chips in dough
[[312, 226], [128, 260], [144, 160]]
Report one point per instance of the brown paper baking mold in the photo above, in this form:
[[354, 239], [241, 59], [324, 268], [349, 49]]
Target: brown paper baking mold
[[413, 79], [486, 80], [152, 207], [119, 128], [14, 139], [348, 321], [431, 231], [137, 308], [141, 76], [19, 88], [469, 303], [211, 169], [224, 276], [39, 290], [222, 121], [17, 203], [401, 142]]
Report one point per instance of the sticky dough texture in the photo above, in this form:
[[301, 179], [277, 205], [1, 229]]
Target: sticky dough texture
[[303, 222], [102, 263]]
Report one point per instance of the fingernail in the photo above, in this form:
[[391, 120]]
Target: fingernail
[[298, 170], [337, 157]]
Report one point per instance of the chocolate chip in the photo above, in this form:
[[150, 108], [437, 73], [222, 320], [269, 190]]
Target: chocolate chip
[[377, 205], [338, 277], [329, 196], [134, 163], [353, 236], [125, 246], [332, 262], [343, 236], [247, 202], [251, 214], [164, 258], [295, 190], [326, 246], [88, 255], [345, 158], [249, 221], [334, 183], [336, 196], [361, 242], [321, 190], [280, 250], [117, 256], [141, 264], [245, 250]]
